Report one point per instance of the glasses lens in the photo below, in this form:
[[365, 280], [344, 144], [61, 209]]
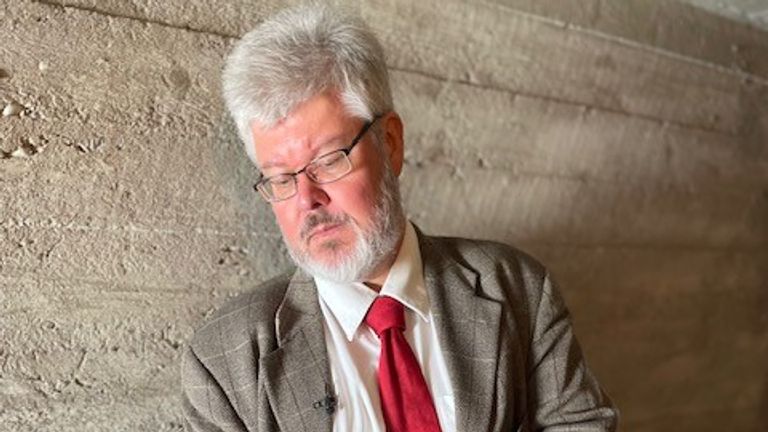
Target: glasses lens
[[278, 188], [330, 167]]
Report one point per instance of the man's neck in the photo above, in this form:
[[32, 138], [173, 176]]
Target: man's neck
[[381, 271]]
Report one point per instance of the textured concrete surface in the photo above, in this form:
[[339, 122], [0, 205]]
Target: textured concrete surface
[[623, 143], [754, 12]]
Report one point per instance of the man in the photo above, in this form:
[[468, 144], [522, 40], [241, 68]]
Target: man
[[381, 327]]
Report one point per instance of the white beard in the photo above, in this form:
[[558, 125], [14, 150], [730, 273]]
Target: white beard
[[371, 248]]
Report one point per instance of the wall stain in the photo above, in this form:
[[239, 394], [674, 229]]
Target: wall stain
[[179, 82]]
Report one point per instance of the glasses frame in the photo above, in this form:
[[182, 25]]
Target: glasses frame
[[261, 184]]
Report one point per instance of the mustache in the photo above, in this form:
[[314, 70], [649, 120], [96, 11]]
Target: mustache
[[320, 218]]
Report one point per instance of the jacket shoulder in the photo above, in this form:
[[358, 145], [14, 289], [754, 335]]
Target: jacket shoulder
[[496, 271], [491, 259], [249, 316]]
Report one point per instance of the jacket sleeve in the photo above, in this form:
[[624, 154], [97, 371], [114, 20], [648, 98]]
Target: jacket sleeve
[[565, 396], [205, 407]]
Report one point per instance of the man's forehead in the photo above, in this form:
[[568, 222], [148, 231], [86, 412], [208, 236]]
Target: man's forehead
[[277, 154], [283, 150], [311, 125]]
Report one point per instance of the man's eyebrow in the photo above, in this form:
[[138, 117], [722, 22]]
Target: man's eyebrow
[[336, 139], [268, 165]]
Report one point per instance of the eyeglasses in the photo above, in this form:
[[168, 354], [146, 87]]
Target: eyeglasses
[[323, 169]]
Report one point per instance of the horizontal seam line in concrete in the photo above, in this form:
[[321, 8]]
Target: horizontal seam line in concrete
[[662, 121], [55, 4], [164, 288], [627, 42], [730, 249], [757, 247], [131, 228], [634, 44], [714, 408], [665, 186]]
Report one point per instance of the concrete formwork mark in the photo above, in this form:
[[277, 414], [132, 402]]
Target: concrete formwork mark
[[531, 243], [56, 4], [457, 170], [697, 160], [514, 92], [633, 44], [539, 18], [555, 209], [166, 288], [51, 224]]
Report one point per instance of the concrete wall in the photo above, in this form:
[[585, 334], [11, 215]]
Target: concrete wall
[[623, 143], [754, 12]]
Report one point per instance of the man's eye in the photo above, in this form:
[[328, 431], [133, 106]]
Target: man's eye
[[330, 160], [281, 181]]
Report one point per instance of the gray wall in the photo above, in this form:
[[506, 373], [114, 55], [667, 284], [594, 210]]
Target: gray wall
[[623, 143]]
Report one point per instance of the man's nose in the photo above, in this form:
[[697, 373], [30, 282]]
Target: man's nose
[[310, 195]]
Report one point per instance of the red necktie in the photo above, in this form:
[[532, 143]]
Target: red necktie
[[405, 399]]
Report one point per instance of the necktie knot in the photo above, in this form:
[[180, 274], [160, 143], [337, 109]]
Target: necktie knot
[[385, 313]]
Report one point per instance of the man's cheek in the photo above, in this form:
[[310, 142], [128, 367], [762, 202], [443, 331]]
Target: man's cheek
[[289, 228]]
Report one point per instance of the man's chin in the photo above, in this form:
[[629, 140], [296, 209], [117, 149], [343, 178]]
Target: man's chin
[[337, 243], [332, 263], [331, 257], [333, 272]]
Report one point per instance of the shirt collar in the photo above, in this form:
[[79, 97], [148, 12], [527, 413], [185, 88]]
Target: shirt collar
[[349, 302]]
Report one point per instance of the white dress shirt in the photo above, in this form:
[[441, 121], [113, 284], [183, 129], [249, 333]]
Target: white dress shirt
[[353, 348]]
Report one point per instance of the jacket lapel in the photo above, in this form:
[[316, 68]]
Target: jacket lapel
[[297, 375], [468, 329]]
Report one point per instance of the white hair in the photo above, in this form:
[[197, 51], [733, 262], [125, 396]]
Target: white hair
[[299, 53]]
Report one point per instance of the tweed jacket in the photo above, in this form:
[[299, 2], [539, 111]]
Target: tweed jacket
[[260, 362]]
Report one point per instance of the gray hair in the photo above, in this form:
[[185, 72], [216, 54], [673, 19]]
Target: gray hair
[[299, 53]]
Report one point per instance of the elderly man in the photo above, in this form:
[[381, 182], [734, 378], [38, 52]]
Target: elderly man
[[380, 327]]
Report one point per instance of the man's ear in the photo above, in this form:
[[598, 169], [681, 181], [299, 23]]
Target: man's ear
[[393, 141]]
